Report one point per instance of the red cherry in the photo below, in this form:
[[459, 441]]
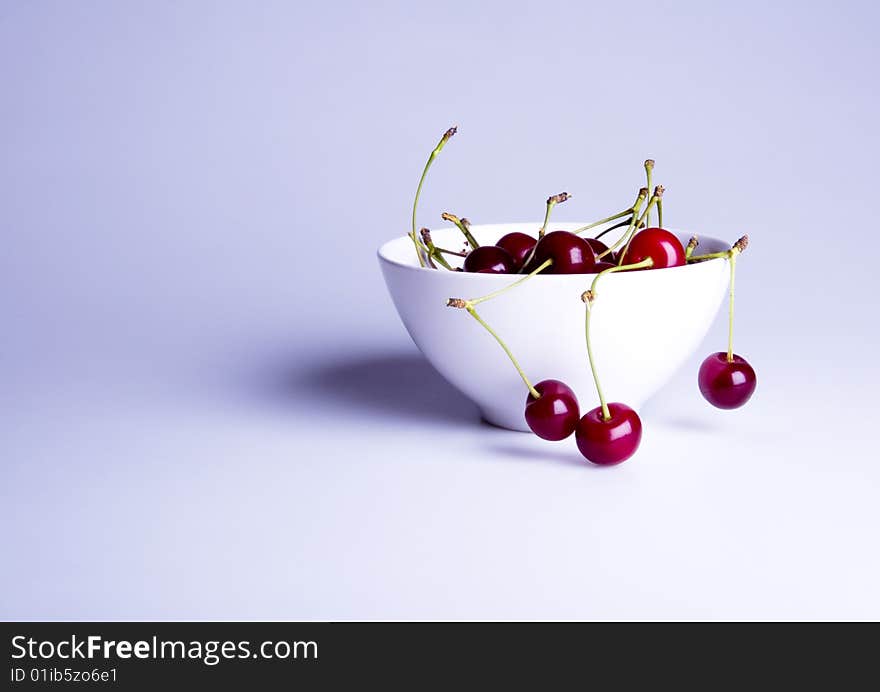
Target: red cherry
[[598, 246], [489, 259], [611, 441], [519, 245], [555, 414], [570, 253], [601, 266], [724, 384], [658, 244]]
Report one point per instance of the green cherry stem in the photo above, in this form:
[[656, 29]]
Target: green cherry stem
[[469, 306], [463, 226], [445, 138], [658, 194], [552, 201], [633, 222], [730, 255], [456, 253], [659, 212], [612, 228], [588, 297], [494, 294], [626, 212], [433, 252], [606, 414], [458, 303], [649, 174], [737, 248], [613, 217], [709, 256], [732, 262]]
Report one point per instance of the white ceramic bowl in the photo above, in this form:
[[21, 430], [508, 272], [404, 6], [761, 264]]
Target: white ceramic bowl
[[645, 324]]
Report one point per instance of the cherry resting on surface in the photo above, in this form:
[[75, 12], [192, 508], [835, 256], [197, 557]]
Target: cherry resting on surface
[[519, 245], [658, 244], [570, 253], [607, 442], [726, 384], [555, 414], [489, 259]]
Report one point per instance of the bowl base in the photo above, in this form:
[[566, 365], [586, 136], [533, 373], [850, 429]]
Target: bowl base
[[498, 420]]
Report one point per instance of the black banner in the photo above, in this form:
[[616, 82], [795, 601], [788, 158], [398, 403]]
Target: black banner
[[249, 655]]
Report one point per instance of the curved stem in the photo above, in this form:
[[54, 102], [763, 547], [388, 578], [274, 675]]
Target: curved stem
[[489, 296], [644, 264], [733, 255], [543, 228], [611, 228], [462, 226], [658, 193], [445, 138], [613, 217], [633, 223], [452, 252], [738, 247], [552, 201], [433, 253], [534, 392], [606, 414], [711, 255], [589, 297]]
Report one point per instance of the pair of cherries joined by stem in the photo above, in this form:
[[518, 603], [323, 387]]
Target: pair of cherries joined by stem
[[606, 435], [555, 415], [611, 432]]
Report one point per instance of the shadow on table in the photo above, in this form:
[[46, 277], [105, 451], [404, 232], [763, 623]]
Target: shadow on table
[[397, 386]]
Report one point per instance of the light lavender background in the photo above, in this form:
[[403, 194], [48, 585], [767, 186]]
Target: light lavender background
[[208, 408]]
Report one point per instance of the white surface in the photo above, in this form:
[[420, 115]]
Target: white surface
[[644, 324], [356, 484]]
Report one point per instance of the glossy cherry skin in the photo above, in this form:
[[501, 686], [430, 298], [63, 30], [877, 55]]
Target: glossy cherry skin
[[555, 414], [657, 243], [598, 247], [608, 442], [519, 245], [489, 259], [727, 385], [570, 253], [601, 266]]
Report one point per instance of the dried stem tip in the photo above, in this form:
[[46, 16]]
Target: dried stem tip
[[649, 164], [446, 216], [587, 296], [456, 303], [426, 236], [558, 199], [448, 134], [692, 243], [741, 244], [465, 222], [643, 192], [659, 190]]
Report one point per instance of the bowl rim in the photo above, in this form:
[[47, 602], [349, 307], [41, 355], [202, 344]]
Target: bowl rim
[[383, 252]]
